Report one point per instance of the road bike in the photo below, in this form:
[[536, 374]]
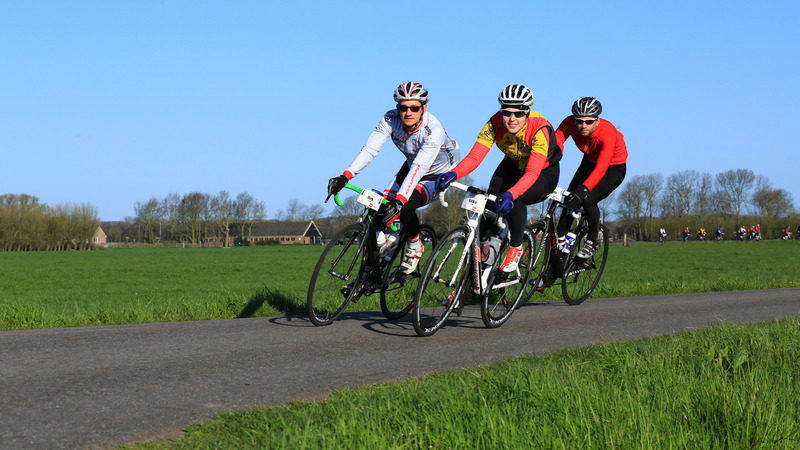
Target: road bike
[[464, 264], [353, 266], [552, 264]]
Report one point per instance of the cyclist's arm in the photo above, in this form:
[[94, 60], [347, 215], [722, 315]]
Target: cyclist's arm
[[565, 130], [422, 163], [370, 150], [605, 151], [478, 152], [537, 161]]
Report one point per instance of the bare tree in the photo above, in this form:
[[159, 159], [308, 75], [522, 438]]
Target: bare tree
[[733, 190], [651, 187], [631, 204], [679, 193], [194, 213], [312, 212], [170, 214], [771, 202], [247, 211], [703, 201], [223, 211], [148, 215]]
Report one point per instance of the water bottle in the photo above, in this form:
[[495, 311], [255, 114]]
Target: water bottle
[[570, 239], [494, 245], [380, 238], [390, 244]]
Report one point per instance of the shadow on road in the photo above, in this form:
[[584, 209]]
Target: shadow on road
[[274, 298]]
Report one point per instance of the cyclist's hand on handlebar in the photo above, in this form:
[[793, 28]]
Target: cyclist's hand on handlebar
[[576, 197], [504, 203], [444, 180], [336, 184], [390, 211]]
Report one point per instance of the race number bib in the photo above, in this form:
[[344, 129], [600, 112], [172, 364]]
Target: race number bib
[[370, 199], [475, 203]]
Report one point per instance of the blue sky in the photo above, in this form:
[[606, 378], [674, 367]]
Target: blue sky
[[110, 103]]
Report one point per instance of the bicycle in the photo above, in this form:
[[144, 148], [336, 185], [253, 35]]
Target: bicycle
[[352, 267], [462, 265], [578, 276]]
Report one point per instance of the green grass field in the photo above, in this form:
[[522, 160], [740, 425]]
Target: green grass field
[[730, 386], [141, 285]]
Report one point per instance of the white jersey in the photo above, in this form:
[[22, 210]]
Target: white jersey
[[428, 149]]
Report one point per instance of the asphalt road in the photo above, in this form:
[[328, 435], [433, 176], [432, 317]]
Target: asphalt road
[[100, 386]]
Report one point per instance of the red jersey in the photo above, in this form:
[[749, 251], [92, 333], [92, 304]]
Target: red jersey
[[604, 147]]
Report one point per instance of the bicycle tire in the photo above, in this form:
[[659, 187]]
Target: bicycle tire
[[501, 299], [541, 256], [336, 280], [398, 289], [443, 283], [582, 276]]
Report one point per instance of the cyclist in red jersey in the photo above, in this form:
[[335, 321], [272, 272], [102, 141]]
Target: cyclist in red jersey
[[603, 166], [528, 172]]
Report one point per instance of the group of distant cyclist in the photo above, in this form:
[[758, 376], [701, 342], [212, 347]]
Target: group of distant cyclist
[[528, 172], [752, 233]]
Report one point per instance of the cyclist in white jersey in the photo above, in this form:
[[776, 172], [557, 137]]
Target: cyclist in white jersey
[[428, 150]]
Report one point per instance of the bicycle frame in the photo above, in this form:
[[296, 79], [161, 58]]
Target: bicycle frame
[[371, 200], [556, 254], [475, 206]]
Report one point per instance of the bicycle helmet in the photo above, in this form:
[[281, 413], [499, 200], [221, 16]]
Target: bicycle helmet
[[411, 91], [587, 107], [516, 96]]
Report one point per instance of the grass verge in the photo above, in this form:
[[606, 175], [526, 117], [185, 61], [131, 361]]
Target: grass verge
[[730, 386]]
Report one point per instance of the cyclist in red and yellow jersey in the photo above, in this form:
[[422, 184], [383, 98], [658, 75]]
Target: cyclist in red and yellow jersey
[[603, 166], [528, 172]]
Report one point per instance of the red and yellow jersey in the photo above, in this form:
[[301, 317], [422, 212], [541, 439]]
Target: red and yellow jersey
[[604, 147], [529, 149], [532, 138]]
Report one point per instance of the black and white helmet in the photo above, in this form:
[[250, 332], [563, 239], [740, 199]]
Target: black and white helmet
[[516, 96], [411, 91], [587, 106]]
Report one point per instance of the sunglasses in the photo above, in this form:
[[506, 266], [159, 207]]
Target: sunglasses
[[586, 121], [517, 114], [404, 108]]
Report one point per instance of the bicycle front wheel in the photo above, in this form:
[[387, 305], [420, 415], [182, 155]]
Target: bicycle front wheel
[[582, 275], [507, 288], [336, 279], [443, 283], [398, 288]]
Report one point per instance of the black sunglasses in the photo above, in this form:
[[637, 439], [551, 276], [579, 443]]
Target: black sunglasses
[[517, 114], [404, 108], [586, 121]]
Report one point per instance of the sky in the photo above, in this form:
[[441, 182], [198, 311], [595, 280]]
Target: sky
[[110, 103]]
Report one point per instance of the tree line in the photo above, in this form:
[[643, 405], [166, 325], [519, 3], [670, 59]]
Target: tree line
[[190, 218], [693, 199], [28, 225]]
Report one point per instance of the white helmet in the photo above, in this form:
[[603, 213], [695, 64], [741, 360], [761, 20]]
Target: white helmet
[[411, 91], [516, 96]]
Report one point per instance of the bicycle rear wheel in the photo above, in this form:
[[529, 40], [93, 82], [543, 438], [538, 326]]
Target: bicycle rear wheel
[[582, 275], [443, 283], [506, 290], [397, 288], [539, 235], [336, 281]]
